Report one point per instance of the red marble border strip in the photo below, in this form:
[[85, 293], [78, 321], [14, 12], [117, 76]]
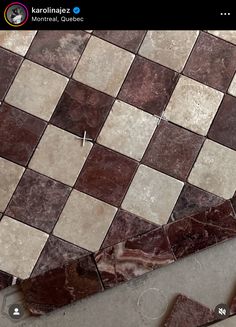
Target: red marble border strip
[[134, 257], [61, 286], [128, 259], [197, 232]]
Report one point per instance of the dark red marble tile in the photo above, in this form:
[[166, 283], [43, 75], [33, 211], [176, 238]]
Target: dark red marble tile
[[58, 50], [9, 64], [233, 306], [189, 313], [57, 253], [19, 134], [129, 40], [173, 150], [233, 201], [38, 201], [223, 129], [193, 200], [126, 225], [82, 108], [61, 286], [212, 62], [106, 175], [148, 86], [5, 280], [134, 257], [197, 232], [233, 303]]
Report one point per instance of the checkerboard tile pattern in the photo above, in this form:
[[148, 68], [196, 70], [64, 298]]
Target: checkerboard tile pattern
[[105, 135]]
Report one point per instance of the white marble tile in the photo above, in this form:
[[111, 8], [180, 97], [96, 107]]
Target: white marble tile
[[193, 105], [152, 195], [128, 130], [84, 221], [20, 247]]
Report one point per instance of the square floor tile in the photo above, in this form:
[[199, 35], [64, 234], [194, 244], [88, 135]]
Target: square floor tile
[[106, 175], [19, 134], [148, 86], [82, 108], [17, 41], [193, 105], [58, 50], [232, 87], [126, 225], [223, 129], [9, 64], [60, 155], [10, 175], [130, 40], [103, 66], [36, 90], [38, 201], [84, 221], [212, 62], [169, 48], [152, 195], [57, 253], [193, 200], [229, 36], [215, 170], [173, 150], [20, 247], [128, 130]]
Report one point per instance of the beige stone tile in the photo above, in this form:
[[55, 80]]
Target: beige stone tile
[[193, 105], [232, 87], [152, 195], [103, 66], [85, 221], [229, 36], [128, 130], [36, 90], [20, 247], [60, 155], [169, 48], [17, 41], [10, 174], [215, 170]]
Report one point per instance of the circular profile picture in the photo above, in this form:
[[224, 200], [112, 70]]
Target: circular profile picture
[[16, 14]]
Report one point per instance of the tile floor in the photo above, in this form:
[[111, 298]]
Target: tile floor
[[159, 112]]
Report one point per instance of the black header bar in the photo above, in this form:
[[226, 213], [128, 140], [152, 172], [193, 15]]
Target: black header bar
[[86, 14]]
